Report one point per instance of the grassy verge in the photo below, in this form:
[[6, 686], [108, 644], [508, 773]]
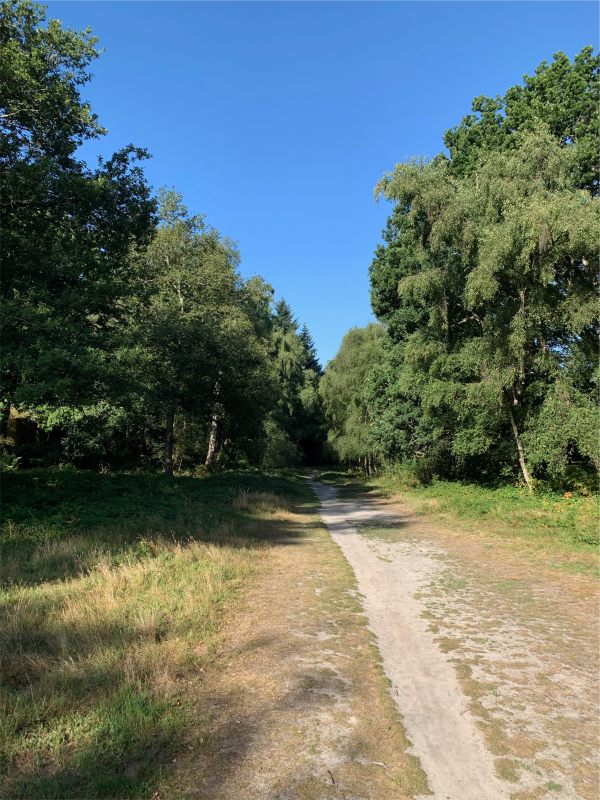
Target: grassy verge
[[562, 529], [113, 587]]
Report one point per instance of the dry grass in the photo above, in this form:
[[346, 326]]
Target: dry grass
[[103, 629], [117, 641], [265, 502], [187, 638]]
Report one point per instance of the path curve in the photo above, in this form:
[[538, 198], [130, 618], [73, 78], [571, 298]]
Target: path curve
[[425, 687]]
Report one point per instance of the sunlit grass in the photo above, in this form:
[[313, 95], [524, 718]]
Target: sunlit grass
[[563, 528], [110, 607]]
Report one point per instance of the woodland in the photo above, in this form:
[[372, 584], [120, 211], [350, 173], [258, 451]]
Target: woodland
[[132, 341], [160, 412]]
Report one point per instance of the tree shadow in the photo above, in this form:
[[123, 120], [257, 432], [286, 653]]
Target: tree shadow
[[58, 523], [236, 727], [105, 733], [131, 739]]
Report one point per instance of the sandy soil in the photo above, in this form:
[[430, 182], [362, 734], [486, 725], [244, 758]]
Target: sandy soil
[[493, 664], [424, 684], [295, 705]]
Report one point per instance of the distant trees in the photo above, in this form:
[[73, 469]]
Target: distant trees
[[343, 389], [296, 426], [129, 335], [487, 281]]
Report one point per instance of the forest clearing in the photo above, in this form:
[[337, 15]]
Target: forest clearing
[[300, 494]]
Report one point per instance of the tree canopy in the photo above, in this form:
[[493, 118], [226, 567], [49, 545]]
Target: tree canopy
[[66, 229], [487, 280], [129, 335], [131, 338]]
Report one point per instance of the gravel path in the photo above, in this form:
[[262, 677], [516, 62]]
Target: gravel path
[[425, 686]]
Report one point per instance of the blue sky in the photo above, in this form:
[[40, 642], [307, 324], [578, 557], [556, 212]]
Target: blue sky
[[277, 119]]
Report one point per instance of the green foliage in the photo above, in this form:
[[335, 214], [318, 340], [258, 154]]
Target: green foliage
[[564, 435], [279, 450], [42, 72], [562, 95], [297, 417], [129, 337], [487, 281], [66, 229], [343, 392], [201, 352], [546, 518]]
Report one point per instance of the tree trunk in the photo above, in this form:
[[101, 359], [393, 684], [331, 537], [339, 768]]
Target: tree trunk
[[212, 441], [4, 417], [214, 426], [520, 451], [169, 426]]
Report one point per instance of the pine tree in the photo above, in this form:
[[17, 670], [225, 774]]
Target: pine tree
[[283, 319], [311, 360]]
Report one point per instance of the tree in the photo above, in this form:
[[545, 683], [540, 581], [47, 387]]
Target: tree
[[563, 96], [200, 350], [311, 360], [297, 416], [344, 398], [487, 280], [123, 333], [67, 231]]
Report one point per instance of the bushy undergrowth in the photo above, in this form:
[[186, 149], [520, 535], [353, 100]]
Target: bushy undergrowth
[[113, 587]]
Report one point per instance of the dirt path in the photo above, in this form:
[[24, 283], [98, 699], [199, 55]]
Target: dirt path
[[476, 644], [294, 706]]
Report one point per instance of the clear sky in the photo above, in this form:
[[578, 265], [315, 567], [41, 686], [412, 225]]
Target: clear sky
[[277, 119]]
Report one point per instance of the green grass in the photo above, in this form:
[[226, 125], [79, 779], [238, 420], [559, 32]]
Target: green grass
[[55, 522], [113, 588], [565, 528], [373, 529]]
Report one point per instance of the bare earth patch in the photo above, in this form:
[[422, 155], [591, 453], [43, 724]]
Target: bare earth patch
[[295, 701], [521, 641]]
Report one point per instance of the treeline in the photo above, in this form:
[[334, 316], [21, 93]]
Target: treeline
[[129, 336], [485, 362]]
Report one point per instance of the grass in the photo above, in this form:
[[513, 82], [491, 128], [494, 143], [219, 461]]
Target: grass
[[564, 528], [113, 588]]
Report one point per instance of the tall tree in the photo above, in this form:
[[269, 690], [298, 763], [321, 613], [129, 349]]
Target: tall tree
[[66, 230], [488, 278], [311, 360], [201, 352], [298, 415]]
